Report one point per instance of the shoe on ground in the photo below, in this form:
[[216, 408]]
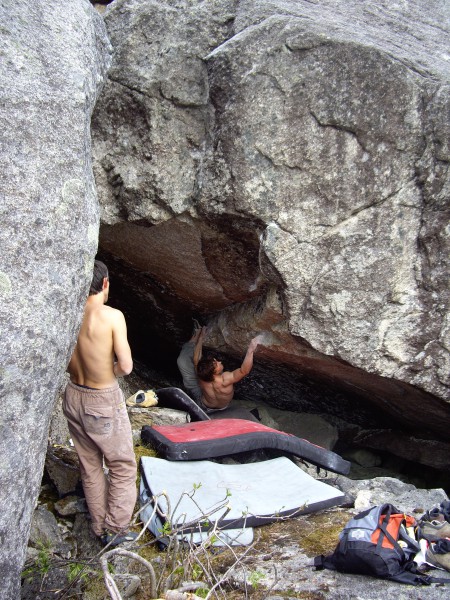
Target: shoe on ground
[[116, 539], [143, 399], [445, 510], [442, 561], [433, 515], [434, 530]]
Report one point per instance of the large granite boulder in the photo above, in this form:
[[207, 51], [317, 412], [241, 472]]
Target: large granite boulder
[[53, 62], [281, 166]]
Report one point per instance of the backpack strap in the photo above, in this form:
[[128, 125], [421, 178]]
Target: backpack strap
[[319, 562], [385, 532], [420, 578], [323, 562], [438, 580], [411, 575], [412, 542]]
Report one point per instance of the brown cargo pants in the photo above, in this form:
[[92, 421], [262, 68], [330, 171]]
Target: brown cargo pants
[[100, 429]]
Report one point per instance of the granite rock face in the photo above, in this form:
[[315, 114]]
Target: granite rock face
[[53, 62], [283, 167]]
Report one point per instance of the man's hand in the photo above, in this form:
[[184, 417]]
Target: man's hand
[[247, 364], [255, 341], [200, 333]]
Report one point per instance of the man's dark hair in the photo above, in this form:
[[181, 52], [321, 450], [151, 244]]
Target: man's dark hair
[[100, 272], [205, 368]]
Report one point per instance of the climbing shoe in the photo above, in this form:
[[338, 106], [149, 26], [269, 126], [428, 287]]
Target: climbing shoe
[[143, 399], [445, 510], [438, 554], [116, 539], [435, 514], [434, 530]]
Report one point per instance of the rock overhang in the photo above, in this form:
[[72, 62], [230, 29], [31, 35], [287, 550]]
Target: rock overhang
[[310, 172]]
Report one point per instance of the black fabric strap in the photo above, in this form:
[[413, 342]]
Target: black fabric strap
[[385, 532], [421, 577], [438, 580], [442, 546]]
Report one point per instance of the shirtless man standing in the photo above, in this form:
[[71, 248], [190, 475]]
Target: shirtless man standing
[[216, 384], [97, 417]]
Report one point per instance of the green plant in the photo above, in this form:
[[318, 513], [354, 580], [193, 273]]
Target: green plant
[[41, 564], [37, 569], [254, 578], [166, 529], [77, 570], [197, 572], [44, 558]]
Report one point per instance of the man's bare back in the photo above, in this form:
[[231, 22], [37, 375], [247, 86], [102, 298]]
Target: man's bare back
[[219, 392], [102, 339], [97, 416]]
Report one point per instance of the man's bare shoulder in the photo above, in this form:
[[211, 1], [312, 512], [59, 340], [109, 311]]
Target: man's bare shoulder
[[226, 378], [110, 314]]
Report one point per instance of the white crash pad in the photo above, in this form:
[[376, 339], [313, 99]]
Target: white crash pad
[[233, 496]]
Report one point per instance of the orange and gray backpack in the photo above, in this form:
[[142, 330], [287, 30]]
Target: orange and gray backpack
[[379, 542]]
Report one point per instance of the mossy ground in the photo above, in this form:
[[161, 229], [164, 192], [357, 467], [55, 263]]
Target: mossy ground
[[318, 533], [141, 450], [314, 534], [95, 589]]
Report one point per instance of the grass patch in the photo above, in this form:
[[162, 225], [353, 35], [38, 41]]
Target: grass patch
[[95, 589], [321, 532], [141, 450]]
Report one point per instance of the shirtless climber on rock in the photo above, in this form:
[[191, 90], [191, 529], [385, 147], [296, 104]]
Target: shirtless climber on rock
[[216, 385]]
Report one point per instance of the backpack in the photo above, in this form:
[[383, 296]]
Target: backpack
[[378, 542]]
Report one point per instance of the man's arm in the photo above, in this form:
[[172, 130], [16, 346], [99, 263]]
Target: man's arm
[[124, 364], [247, 364], [199, 346]]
